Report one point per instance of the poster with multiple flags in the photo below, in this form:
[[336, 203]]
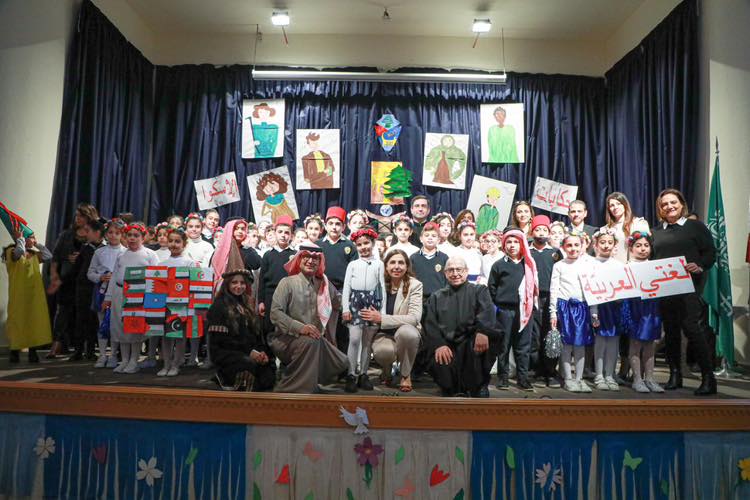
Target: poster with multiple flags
[[161, 301]]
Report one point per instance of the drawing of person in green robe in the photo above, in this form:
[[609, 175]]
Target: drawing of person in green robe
[[488, 215], [265, 135], [501, 139], [447, 161]]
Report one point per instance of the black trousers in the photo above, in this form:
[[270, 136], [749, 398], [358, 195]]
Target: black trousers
[[466, 373], [545, 367], [65, 324], [508, 321], [684, 314]]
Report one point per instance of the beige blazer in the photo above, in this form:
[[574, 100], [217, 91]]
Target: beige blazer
[[406, 311]]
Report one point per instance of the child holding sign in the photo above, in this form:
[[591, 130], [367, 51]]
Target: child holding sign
[[136, 255], [605, 318], [569, 311], [642, 321]]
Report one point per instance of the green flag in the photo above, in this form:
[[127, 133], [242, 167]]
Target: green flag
[[718, 290]]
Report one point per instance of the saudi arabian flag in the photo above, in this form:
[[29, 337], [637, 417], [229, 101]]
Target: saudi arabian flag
[[718, 290]]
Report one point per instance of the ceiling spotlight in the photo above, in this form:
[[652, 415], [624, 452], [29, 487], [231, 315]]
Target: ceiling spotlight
[[481, 25], [280, 18]]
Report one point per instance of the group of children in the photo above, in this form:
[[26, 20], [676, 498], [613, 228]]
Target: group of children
[[531, 269]]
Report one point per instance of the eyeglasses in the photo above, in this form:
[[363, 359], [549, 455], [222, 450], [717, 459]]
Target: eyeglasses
[[310, 257], [455, 270]]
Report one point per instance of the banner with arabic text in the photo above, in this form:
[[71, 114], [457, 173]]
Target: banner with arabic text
[[553, 196], [217, 191]]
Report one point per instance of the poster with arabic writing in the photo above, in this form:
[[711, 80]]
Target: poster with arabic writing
[[647, 280], [553, 196], [217, 191]]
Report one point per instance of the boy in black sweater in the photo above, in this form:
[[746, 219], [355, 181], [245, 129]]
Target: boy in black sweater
[[339, 252], [512, 285], [545, 257], [272, 268]]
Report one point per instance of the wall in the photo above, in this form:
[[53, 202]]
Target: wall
[[725, 113], [34, 35]]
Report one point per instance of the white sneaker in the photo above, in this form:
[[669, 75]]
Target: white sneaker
[[653, 386], [120, 368], [163, 372], [173, 372], [192, 362], [101, 362], [600, 383], [147, 363], [112, 362], [571, 385], [583, 387], [131, 368], [612, 384], [640, 386]]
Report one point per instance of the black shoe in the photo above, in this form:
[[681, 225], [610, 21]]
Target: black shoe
[[15, 356], [525, 385], [461, 395], [76, 356], [503, 384], [364, 383], [351, 383], [90, 355], [483, 392], [33, 356], [707, 387], [695, 368], [675, 380]]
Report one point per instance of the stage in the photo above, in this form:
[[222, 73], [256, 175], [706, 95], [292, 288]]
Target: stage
[[70, 430]]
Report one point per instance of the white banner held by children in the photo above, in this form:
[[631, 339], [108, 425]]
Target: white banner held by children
[[553, 196], [217, 191], [647, 280]]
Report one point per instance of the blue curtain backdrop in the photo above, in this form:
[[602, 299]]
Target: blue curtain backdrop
[[107, 124], [630, 132]]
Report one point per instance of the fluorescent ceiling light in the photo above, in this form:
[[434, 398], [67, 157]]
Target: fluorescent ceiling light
[[309, 75], [280, 18], [481, 25]]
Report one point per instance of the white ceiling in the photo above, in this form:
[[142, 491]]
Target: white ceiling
[[585, 20]]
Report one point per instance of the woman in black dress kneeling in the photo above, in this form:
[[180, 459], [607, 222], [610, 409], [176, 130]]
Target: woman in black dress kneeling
[[238, 350]]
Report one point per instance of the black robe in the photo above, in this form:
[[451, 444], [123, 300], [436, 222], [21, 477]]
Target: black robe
[[454, 317], [231, 343]]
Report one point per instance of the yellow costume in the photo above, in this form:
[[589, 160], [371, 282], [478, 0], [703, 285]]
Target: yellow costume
[[28, 318]]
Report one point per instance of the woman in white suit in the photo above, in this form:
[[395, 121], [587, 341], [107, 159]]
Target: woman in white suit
[[399, 335]]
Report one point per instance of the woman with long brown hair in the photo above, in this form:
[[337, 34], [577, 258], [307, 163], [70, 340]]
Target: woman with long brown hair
[[520, 216], [398, 337], [619, 217]]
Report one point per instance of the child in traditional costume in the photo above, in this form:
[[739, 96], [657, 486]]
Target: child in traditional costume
[[364, 285], [28, 323]]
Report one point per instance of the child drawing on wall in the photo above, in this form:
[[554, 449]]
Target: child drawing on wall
[[271, 190]]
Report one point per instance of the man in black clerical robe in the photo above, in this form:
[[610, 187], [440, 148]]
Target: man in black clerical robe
[[461, 333]]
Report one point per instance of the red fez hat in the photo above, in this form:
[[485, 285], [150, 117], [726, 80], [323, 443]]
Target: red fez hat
[[284, 220], [337, 212], [540, 220]]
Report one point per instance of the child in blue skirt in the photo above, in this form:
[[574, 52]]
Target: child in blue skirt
[[642, 321], [569, 311]]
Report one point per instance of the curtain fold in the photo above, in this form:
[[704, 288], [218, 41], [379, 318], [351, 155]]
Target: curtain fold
[[652, 113], [107, 123]]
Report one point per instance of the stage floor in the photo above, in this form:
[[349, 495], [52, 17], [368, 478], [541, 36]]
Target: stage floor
[[61, 371]]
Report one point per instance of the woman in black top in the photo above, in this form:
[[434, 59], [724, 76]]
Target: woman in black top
[[679, 236], [242, 358]]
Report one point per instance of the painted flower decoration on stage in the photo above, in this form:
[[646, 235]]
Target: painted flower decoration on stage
[[744, 466], [367, 452], [546, 478], [367, 455], [148, 471], [44, 447]]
